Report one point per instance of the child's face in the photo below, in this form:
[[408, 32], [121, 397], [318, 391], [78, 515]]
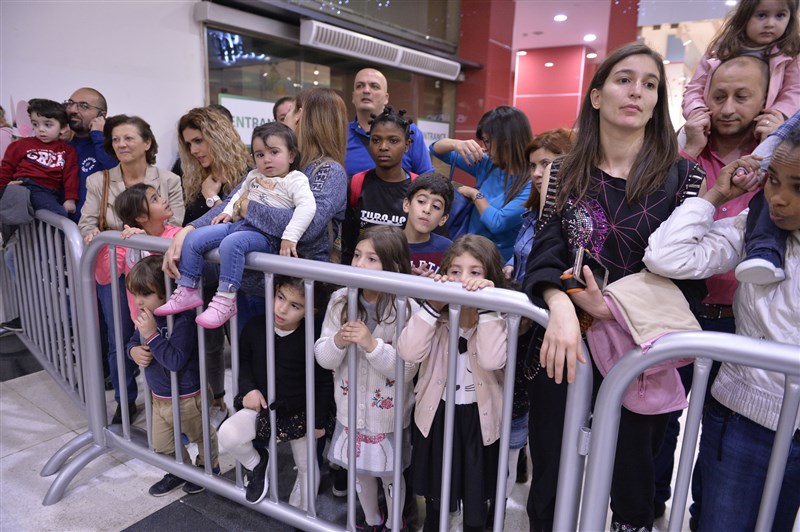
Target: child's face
[[46, 129], [465, 266], [768, 22], [387, 145], [149, 302], [425, 212], [290, 307], [782, 188], [540, 161], [159, 208], [273, 158], [365, 257]]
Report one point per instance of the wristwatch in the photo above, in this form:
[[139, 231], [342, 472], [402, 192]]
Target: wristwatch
[[212, 200], [478, 196]]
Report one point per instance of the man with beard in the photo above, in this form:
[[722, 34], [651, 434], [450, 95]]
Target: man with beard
[[732, 126], [370, 96], [86, 110]]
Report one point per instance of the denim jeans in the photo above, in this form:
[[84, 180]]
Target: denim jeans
[[734, 456], [104, 295], [44, 198], [763, 239], [234, 240]]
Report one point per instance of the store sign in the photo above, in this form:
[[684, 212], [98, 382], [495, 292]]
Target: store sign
[[433, 131], [248, 113]]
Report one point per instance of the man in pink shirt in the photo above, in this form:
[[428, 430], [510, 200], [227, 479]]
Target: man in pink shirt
[[731, 128]]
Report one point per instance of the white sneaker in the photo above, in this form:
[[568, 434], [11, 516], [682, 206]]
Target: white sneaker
[[758, 271], [217, 415]]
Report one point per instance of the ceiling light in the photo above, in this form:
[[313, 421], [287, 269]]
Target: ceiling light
[[549, 64], [730, 3], [560, 18], [666, 61], [316, 82], [522, 52], [589, 37], [316, 72], [687, 42], [591, 55]]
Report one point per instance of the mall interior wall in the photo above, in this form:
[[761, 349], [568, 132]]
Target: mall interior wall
[[147, 58]]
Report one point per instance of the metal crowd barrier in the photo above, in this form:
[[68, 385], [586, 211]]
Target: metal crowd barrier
[[102, 438], [45, 259], [772, 356]]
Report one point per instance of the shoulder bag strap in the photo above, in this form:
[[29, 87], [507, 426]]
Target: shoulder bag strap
[[104, 202], [548, 207]]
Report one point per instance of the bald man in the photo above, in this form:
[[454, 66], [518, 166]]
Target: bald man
[[731, 128], [370, 96]]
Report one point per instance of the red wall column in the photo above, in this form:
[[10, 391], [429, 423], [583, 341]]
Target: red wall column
[[486, 38]]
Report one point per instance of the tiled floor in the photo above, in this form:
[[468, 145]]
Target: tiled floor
[[36, 419]]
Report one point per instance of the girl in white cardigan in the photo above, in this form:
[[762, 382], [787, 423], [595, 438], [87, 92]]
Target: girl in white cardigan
[[475, 262], [378, 248]]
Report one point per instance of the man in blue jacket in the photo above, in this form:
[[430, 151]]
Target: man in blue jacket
[[370, 96], [86, 110]]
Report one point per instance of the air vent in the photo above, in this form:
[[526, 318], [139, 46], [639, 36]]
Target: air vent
[[327, 37]]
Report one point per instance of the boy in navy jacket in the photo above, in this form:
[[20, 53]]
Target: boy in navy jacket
[[159, 354]]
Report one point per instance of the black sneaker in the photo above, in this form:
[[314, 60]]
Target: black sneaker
[[166, 485], [259, 484], [132, 411], [339, 488], [191, 488], [12, 325], [522, 466]]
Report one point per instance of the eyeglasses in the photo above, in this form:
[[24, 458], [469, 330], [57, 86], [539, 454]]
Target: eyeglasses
[[83, 106]]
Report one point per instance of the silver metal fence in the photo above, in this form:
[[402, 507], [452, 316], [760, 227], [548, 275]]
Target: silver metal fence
[[46, 258], [772, 356], [103, 438]]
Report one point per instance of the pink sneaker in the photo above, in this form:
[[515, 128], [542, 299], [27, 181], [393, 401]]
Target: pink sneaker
[[219, 311], [182, 299]]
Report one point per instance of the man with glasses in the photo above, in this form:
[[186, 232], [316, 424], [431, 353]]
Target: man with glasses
[[370, 96], [86, 110]]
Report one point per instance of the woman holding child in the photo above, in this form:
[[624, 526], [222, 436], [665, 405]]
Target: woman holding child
[[131, 141]]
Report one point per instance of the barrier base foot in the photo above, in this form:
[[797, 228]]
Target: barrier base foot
[[64, 453], [59, 485]]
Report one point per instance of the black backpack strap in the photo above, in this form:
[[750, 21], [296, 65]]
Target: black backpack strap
[[551, 195], [687, 173]]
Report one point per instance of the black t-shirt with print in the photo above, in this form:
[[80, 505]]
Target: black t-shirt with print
[[381, 203]]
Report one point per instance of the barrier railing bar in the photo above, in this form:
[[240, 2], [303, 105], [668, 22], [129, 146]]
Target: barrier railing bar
[[571, 463], [454, 312], [37, 292], [49, 279], [691, 432], [61, 320], [780, 453], [73, 328], [352, 413], [208, 462], [779, 357], [512, 328], [399, 415], [311, 410], [272, 471], [502, 301]]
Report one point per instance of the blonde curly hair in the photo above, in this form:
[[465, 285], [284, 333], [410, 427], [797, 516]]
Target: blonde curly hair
[[230, 156]]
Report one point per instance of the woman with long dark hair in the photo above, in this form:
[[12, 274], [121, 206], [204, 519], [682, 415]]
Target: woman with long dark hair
[[616, 185], [501, 171]]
